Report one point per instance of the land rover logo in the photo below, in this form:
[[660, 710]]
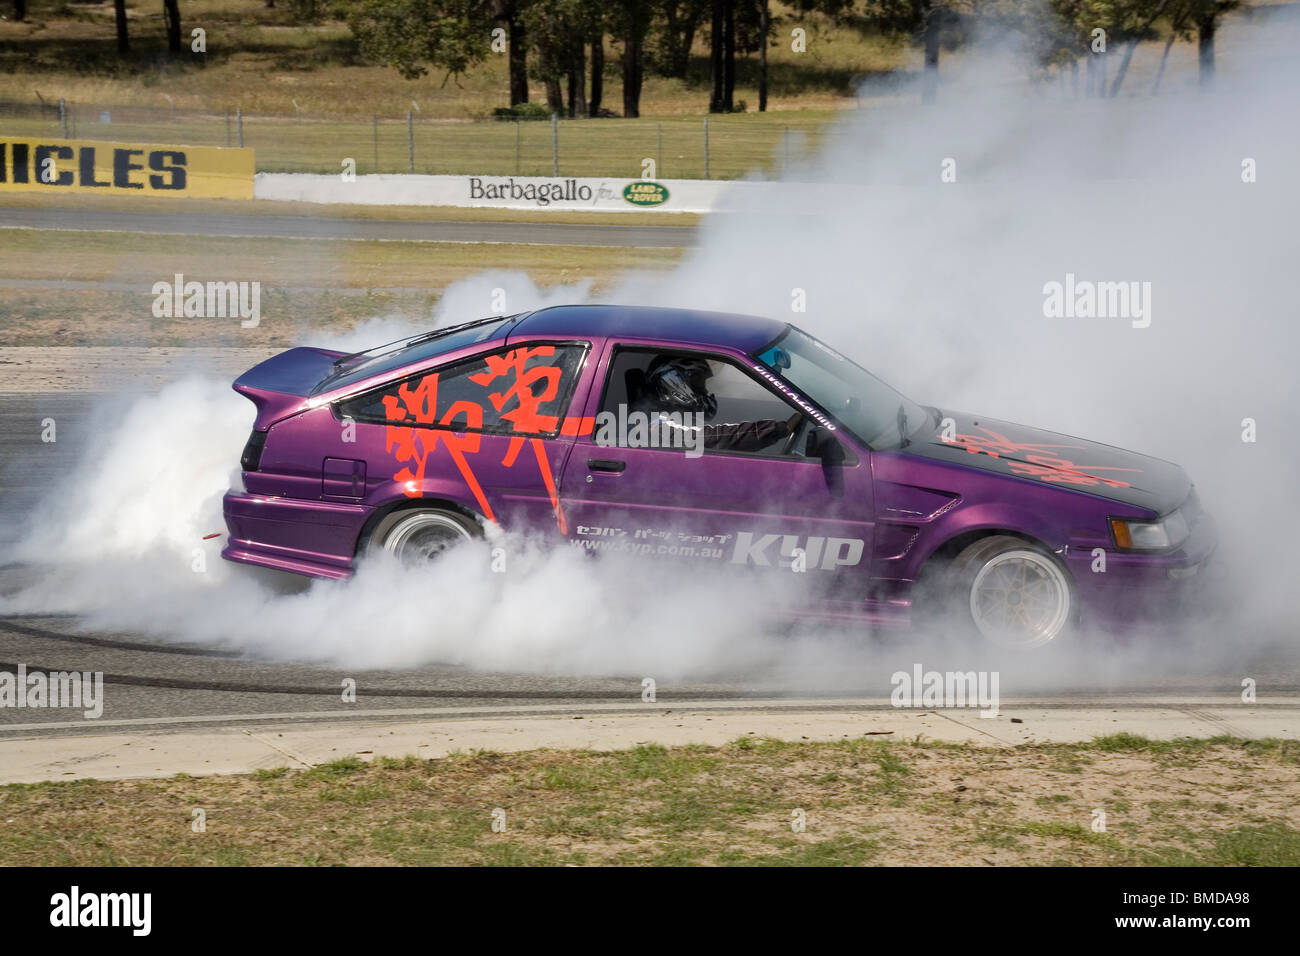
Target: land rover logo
[[645, 193]]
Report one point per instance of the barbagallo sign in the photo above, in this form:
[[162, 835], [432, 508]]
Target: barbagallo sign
[[576, 192], [507, 192]]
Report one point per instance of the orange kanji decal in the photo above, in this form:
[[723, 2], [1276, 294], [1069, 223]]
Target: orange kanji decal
[[518, 400], [1039, 462], [413, 446], [526, 417], [577, 426]]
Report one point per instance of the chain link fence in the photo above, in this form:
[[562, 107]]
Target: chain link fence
[[685, 147]]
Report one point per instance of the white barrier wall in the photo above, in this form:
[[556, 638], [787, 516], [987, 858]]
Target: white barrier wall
[[504, 192]]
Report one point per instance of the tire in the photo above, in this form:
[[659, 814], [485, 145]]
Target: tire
[[1009, 593], [419, 536]]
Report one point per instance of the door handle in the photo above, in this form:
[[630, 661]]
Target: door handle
[[605, 464]]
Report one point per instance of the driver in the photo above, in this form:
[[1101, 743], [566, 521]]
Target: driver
[[679, 384]]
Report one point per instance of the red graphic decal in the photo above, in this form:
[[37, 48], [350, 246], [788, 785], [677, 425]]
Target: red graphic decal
[[577, 426], [544, 466], [413, 446], [1039, 461], [527, 388], [527, 416]]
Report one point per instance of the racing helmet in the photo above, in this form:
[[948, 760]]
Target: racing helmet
[[678, 383]]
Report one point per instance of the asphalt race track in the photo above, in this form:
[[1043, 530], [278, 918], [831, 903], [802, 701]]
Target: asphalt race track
[[159, 685], [306, 227]]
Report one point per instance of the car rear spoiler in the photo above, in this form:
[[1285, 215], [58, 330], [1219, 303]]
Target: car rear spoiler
[[279, 387]]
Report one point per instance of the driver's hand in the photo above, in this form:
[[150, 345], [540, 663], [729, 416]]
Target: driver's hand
[[793, 421]]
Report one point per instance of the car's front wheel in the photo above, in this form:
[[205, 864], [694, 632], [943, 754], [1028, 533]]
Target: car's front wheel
[[1010, 593], [418, 536]]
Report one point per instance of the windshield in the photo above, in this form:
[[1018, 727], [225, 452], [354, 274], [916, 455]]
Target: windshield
[[385, 358], [874, 412]]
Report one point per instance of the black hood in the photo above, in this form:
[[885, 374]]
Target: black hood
[[1035, 454]]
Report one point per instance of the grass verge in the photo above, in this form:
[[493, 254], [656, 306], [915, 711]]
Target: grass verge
[[1222, 801], [307, 285]]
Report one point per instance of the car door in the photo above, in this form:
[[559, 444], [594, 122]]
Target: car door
[[771, 508]]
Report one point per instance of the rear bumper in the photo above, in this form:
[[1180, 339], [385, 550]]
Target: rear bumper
[[315, 538]]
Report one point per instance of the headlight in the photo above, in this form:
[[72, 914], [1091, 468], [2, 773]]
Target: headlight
[[1168, 532]]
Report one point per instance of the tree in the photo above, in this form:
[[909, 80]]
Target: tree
[[413, 36], [1206, 15], [733, 27], [597, 73], [744, 28], [930, 16], [20, 10], [1179, 19], [119, 16], [578, 80], [718, 16], [1051, 32], [729, 56], [1135, 20], [1067, 34], [923, 20], [629, 22], [172, 14], [549, 37], [558, 32], [677, 22], [509, 16]]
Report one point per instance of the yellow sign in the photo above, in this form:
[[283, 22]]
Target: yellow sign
[[121, 169]]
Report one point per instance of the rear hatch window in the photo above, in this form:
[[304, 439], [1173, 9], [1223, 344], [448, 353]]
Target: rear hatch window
[[385, 358]]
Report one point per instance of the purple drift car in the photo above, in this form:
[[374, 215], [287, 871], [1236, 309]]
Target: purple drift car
[[722, 440]]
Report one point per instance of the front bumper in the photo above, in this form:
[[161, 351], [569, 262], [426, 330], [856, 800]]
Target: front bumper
[[1143, 587], [311, 537]]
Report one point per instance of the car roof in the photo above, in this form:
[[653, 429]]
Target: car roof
[[680, 326]]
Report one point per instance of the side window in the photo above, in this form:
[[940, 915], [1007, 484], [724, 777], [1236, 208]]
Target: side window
[[519, 391], [657, 399]]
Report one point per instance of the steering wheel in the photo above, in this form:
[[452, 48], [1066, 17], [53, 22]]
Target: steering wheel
[[794, 441]]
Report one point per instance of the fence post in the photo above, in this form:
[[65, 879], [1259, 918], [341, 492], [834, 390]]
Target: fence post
[[785, 148], [706, 147], [555, 144], [375, 127], [410, 140], [517, 145], [63, 117], [659, 150], [239, 125], [227, 127]]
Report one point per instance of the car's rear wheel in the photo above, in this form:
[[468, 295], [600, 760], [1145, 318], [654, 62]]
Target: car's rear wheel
[[1010, 593], [418, 536]]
